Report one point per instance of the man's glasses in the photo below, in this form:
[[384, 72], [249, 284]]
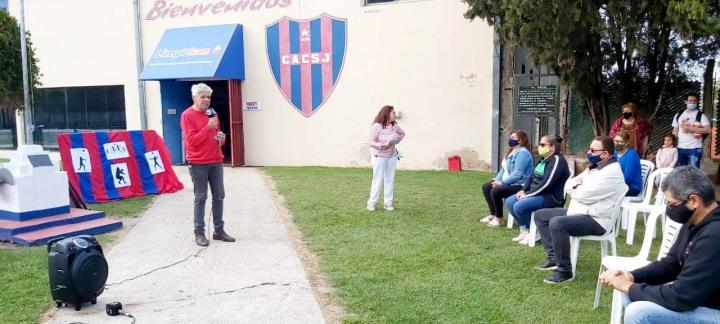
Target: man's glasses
[[675, 203], [594, 150]]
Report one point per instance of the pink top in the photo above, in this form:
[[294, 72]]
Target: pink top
[[666, 157], [380, 136]]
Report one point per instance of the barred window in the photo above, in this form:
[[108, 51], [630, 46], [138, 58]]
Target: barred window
[[59, 110]]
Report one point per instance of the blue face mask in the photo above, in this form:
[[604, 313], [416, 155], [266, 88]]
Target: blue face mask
[[593, 159], [513, 142], [692, 106]]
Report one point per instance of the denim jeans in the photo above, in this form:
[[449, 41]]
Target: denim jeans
[[202, 175], [645, 312], [689, 157], [555, 233], [522, 209]]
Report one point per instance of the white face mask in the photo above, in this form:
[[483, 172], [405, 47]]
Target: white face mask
[[692, 106]]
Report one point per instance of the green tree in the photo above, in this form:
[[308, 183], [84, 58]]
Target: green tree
[[11, 79], [593, 43]]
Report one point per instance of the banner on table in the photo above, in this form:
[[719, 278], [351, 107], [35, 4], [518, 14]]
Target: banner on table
[[105, 166]]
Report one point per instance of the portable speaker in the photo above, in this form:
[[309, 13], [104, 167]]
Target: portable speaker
[[77, 269]]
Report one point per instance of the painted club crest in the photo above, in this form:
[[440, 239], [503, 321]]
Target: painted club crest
[[306, 57]]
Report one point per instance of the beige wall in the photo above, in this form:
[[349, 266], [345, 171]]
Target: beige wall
[[84, 43], [422, 57]]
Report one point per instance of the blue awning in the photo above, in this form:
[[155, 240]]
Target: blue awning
[[205, 52]]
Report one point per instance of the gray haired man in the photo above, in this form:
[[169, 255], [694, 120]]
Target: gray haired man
[[684, 286], [203, 150]]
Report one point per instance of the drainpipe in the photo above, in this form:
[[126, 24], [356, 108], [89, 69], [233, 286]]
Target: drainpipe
[[139, 62], [496, 93]]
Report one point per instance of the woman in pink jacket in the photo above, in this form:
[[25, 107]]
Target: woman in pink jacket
[[384, 135]]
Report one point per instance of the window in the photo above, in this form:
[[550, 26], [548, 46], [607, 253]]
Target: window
[[79, 108]]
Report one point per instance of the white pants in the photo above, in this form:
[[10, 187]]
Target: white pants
[[383, 172]]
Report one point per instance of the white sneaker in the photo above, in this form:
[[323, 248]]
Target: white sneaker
[[487, 219], [525, 240], [370, 208], [495, 222], [389, 207], [520, 237]]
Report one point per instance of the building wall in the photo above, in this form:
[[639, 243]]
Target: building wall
[[84, 43], [423, 57]]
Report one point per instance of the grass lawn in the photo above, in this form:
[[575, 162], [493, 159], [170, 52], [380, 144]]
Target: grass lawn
[[431, 260], [23, 271]]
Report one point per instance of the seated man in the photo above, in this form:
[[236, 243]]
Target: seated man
[[684, 286], [594, 194]]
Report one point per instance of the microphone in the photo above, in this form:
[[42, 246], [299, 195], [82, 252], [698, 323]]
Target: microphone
[[211, 114]]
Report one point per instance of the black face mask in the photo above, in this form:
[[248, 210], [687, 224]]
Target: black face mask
[[679, 213], [627, 115]]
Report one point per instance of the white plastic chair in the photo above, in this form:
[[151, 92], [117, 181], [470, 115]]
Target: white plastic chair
[[609, 236], [670, 231], [533, 231], [646, 167], [641, 259], [630, 210]]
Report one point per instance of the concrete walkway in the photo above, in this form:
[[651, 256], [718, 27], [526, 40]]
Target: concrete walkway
[[258, 279]]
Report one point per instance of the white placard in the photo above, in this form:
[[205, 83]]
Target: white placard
[[120, 175], [252, 106], [81, 160], [154, 162], [115, 150]]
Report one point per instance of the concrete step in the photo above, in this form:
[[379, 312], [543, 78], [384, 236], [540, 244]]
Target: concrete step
[[9, 228], [91, 227]]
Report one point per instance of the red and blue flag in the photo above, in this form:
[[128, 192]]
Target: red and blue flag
[[306, 57], [105, 166]]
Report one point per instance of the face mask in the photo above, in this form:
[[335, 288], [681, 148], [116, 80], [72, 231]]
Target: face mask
[[680, 213], [593, 159], [692, 106], [512, 142], [543, 151], [619, 147], [627, 115]]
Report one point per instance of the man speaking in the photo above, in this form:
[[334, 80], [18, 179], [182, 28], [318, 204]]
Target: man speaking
[[203, 142]]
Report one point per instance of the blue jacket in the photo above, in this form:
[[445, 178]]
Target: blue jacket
[[630, 165], [519, 166]]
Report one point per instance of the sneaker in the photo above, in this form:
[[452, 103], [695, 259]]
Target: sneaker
[[558, 277], [370, 208], [525, 240], [389, 207], [495, 222], [520, 237], [487, 219], [547, 265]]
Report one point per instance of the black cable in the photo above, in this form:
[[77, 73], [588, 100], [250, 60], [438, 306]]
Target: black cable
[[129, 315], [157, 269]]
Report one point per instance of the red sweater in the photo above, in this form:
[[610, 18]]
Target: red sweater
[[199, 138]]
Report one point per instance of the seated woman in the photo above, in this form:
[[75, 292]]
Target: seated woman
[[544, 189], [629, 163], [516, 169]]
